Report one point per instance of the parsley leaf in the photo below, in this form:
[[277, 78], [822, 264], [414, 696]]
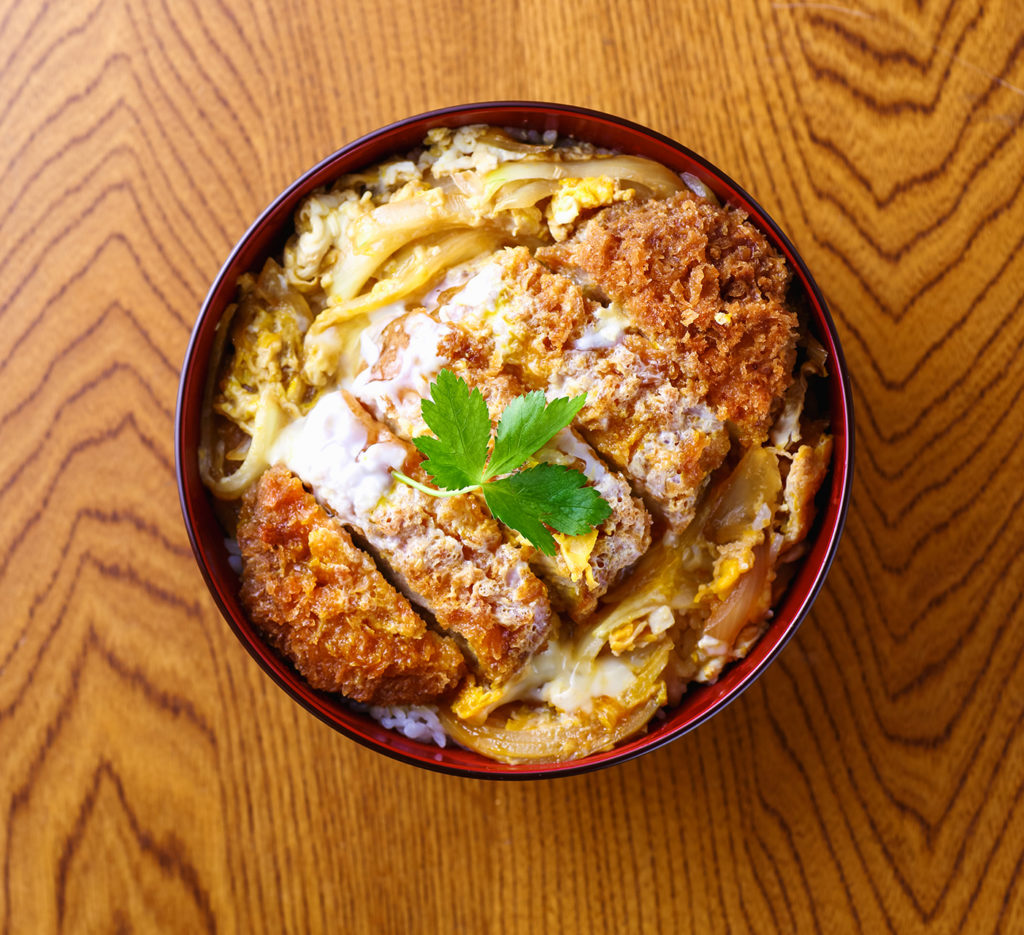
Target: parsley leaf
[[546, 495], [529, 501], [459, 419], [528, 423]]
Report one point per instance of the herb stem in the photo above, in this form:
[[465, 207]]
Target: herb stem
[[432, 491]]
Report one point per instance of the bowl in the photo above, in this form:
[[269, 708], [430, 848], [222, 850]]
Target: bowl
[[267, 235]]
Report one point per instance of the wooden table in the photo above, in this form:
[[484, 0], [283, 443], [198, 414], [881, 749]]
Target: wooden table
[[152, 778]]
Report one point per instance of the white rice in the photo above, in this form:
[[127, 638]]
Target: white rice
[[234, 555], [417, 722]]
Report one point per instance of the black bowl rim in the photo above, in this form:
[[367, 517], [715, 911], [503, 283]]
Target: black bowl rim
[[841, 471]]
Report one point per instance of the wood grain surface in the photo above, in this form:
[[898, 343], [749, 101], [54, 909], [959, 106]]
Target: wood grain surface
[[153, 779]]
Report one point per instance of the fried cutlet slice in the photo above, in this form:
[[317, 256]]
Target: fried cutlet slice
[[447, 554], [700, 280], [649, 428], [621, 540], [321, 602], [642, 413], [408, 354]]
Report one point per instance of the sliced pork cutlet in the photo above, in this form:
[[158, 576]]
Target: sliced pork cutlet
[[321, 602], [409, 353], [447, 554], [642, 413], [701, 281]]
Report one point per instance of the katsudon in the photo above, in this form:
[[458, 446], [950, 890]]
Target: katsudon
[[526, 268]]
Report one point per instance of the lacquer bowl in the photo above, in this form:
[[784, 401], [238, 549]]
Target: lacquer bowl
[[266, 236]]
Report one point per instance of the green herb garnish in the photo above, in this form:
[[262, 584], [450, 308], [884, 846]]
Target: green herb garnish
[[528, 500]]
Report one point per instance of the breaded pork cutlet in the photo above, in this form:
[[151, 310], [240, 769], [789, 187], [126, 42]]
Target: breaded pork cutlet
[[703, 282], [448, 554], [641, 414], [321, 601], [408, 354]]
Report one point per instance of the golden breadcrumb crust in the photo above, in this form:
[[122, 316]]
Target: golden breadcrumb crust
[[322, 602], [643, 414], [449, 554], [624, 536], [703, 282]]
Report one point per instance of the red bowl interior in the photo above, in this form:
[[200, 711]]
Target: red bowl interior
[[267, 235]]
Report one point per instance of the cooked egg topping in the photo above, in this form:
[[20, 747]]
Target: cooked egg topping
[[562, 675], [412, 370], [328, 448], [607, 329]]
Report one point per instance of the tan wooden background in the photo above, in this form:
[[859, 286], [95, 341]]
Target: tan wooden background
[[153, 779]]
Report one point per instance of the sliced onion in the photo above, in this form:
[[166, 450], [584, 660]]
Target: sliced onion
[[269, 420], [541, 735], [746, 602], [549, 740], [518, 195], [659, 179], [755, 482]]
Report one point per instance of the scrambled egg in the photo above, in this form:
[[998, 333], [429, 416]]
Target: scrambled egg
[[575, 551], [575, 195], [267, 333]]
